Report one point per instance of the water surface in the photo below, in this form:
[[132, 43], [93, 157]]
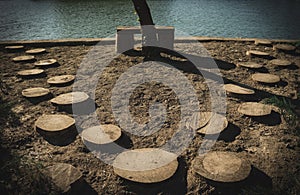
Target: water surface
[[56, 19]]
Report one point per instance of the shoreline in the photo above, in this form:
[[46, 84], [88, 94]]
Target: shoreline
[[110, 41]]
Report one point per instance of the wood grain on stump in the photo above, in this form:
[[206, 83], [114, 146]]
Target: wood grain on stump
[[30, 72], [257, 53], [216, 124], [249, 65], [199, 120], [102, 134], [266, 78], [23, 58], [62, 79], [254, 109], [14, 47], [70, 98], [148, 165], [35, 92], [222, 167], [54, 122], [284, 47], [207, 123], [262, 42], [231, 88], [35, 51], [47, 62], [279, 62], [63, 175]]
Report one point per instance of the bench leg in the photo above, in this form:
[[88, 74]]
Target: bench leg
[[124, 41]]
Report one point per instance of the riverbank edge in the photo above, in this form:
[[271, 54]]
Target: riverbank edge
[[111, 41]]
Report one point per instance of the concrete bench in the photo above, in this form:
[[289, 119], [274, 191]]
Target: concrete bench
[[125, 37]]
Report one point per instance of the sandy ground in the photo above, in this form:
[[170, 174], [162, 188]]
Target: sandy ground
[[270, 143]]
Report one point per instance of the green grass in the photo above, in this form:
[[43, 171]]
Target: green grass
[[287, 108]]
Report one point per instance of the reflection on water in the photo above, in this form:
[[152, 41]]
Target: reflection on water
[[54, 19]]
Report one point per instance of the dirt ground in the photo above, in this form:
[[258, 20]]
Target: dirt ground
[[270, 143]]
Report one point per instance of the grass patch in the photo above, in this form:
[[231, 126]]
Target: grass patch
[[287, 108]]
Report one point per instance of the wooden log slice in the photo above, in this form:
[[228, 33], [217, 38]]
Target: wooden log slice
[[284, 47], [35, 51], [199, 120], [70, 98], [257, 53], [265, 78], [102, 134], [222, 167], [148, 165], [35, 92], [47, 62], [249, 65], [63, 175], [54, 122], [216, 125], [14, 47], [278, 62], [231, 88], [262, 42], [30, 72], [62, 79], [23, 58], [254, 109]]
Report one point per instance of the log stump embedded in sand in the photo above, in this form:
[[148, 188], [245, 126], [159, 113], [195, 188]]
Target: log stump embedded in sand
[[253, 65], [30, 72], [68, 99], [231, 88], [102, 134], [23, 58], [222, 167], [57, 129], [279, 62], [265, 78], [147, 165], [60, 80], [45, 63], [35, 92], [254, 109], [36, 51]]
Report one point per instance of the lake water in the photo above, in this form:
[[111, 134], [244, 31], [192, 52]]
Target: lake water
[[56, 19]]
